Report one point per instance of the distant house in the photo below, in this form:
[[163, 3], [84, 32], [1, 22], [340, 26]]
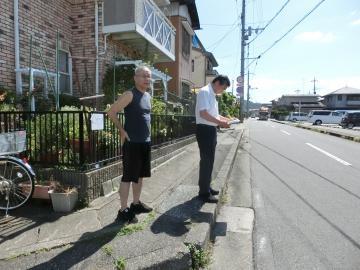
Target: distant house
[[305, 103], [346, 98], [202, 64], [184, 16]]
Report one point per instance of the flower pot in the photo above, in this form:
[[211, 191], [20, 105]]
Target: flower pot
[[41, 192], [63, 202]]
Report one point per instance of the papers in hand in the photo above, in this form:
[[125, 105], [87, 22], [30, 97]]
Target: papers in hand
[[234, 121]]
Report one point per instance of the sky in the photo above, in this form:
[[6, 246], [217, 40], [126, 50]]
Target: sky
[[326, 45]]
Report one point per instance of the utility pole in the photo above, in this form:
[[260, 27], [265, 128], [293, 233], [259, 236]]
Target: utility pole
[[248, 87], [242, 61], [314, 81], [232, 90]]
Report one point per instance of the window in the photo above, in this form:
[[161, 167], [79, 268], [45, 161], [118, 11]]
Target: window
[[336, 114], [185, 43], [354, 98], [209, 66], [339, 97], [64, 73], [193, 65], [186, 91], [321, 113]]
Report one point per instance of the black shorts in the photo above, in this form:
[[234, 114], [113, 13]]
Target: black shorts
[[136, 161]]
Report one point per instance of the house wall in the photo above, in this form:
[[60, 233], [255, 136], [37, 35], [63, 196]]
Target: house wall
[[209, 78], [180, 70], [333, 102], [198, 76], [40, 19], [75, 20], [288, 100]]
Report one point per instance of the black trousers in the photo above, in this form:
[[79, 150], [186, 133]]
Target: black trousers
[[206, 139]]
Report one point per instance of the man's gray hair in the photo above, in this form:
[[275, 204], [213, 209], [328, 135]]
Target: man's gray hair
[[141, 68]]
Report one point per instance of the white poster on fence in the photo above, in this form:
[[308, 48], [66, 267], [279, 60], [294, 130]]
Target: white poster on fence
[[97, 121]]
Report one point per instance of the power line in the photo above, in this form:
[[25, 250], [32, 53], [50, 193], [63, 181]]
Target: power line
[[212, 24], [217, 43], [271, 20], [292, 28]]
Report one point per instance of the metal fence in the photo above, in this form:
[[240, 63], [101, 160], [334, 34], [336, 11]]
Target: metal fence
[[67, 139]]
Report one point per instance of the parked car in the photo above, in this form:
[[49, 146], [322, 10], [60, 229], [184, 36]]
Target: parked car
[[351, 119], [342, 112], [296, 116], [319, 117]]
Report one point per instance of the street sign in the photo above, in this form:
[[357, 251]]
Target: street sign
[[240, 91], [240, 80]]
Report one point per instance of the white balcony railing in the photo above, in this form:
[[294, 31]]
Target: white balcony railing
[[140, 22]]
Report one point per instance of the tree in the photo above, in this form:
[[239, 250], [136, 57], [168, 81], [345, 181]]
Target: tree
[[123, 81], [228, 105]]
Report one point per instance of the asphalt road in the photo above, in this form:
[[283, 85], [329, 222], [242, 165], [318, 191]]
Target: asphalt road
[[306, 195]]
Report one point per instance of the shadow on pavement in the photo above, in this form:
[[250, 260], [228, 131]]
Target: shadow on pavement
[[31, 215], [177, 220], [88, 244]]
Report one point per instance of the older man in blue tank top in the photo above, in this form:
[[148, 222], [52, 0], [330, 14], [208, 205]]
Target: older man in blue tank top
[[135, 136]]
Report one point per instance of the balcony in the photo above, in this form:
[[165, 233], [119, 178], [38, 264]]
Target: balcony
[[141, 25]]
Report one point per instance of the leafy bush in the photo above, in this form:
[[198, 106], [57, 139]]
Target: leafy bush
[[227, 105]]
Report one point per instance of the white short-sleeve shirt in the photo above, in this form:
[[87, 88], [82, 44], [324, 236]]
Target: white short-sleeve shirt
[[206, 100]]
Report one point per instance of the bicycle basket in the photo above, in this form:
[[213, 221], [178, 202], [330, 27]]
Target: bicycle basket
[[12, 142]]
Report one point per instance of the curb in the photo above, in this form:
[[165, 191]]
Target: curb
[[237, 233], [199, 235], [328, 132]]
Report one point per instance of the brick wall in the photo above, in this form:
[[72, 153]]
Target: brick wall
[[7, 51], [75, 20]]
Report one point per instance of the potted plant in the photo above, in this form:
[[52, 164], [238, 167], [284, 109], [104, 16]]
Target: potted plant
[[63, 198], [42, 188]]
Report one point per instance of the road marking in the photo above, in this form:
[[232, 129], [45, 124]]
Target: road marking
[[287, 133], [329, 155], [273, 126]]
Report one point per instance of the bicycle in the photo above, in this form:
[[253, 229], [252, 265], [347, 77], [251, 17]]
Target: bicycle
[[16, 175]]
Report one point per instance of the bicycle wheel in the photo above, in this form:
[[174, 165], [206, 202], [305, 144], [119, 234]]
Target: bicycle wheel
[[16, 183]]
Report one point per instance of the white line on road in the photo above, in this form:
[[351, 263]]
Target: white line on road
[[329, 155], [287, 133], [273, 126]]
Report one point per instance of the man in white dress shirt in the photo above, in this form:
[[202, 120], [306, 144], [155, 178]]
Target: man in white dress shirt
[[207, 121]]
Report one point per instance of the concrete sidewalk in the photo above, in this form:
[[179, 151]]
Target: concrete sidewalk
[[353, 135], [90, 239]]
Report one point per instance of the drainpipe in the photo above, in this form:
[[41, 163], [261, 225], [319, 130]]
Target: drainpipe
[[105, 36], [105, 44], [97, 47], [17, 50]]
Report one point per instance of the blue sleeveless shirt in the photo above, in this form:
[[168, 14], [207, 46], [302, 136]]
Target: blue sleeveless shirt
[[137, 117]]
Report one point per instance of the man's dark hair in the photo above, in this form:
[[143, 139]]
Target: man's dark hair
[[222, 79]]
